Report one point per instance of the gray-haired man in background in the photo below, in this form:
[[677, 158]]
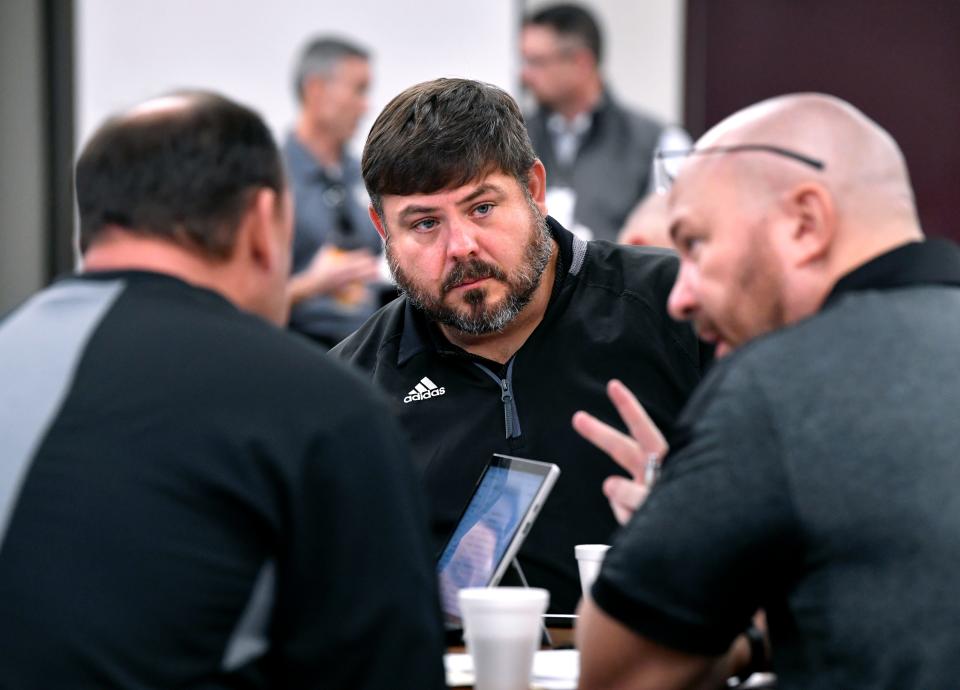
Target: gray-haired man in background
[[335, 246]]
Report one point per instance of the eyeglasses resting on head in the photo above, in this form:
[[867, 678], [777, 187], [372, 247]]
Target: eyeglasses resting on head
[[667, 163]]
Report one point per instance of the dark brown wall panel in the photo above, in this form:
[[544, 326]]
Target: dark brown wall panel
[[897, 60]]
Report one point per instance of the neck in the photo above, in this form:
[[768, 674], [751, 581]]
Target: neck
[[583, 100], [118, 250], [867, 243], [500, 346], [325, 147], [849, 256]]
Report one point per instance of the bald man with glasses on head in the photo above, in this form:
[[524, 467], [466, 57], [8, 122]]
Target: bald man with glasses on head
[[813, 474]]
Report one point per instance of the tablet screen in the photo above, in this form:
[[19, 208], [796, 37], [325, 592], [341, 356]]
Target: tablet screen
[[492, 526]]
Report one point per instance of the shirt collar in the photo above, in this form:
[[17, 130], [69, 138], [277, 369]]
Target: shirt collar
[[420, 334], [558, 124], [931, 262]]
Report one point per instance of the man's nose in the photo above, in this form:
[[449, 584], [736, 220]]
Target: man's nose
[[682, 303], [461, 240]]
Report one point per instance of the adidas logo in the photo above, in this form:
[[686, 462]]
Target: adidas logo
[[424, 390]]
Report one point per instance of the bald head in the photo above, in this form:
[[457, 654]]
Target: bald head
[[863, 168], [162, 105]]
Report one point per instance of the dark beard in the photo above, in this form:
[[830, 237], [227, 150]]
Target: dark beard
[[480, 320]]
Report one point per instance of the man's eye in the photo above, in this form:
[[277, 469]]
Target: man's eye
[[483, 209], [425, 225], [688, 245]]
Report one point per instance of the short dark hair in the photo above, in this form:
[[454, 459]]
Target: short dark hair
[[442, 134], [320, 56], [571, 20], [183, 173]]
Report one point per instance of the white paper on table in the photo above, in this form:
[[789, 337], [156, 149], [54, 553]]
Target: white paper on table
[[552, 669]]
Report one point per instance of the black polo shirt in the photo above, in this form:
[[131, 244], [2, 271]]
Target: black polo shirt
[[192, 498], [606, 319]]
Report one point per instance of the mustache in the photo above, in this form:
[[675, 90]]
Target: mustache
[[467, 271]]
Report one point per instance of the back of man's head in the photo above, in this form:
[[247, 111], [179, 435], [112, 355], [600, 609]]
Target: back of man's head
[[320, 57], [182, 168], [570, 22], [442, 134]]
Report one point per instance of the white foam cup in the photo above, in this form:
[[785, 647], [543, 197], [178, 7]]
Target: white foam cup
[[589, 559], [501, 626]]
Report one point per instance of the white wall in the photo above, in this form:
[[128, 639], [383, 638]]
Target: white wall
[[129, 50], [643, 59]]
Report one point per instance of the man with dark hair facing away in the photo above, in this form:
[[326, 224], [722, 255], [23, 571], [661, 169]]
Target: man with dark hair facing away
[[508, 321], [334, 288], [180, 490]]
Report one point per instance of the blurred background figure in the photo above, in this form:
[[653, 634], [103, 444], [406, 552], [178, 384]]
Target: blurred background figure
[[648, 223], [598, 154], [335, 247]]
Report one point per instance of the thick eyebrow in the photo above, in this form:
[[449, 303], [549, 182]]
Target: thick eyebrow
[[415, 211], [486, 188]]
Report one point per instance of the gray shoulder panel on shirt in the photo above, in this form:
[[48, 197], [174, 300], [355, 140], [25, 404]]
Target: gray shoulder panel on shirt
[[249, 639], [579, 254], [41, 345]]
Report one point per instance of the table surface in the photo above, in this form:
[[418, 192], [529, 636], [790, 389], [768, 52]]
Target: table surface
[[562, 638]]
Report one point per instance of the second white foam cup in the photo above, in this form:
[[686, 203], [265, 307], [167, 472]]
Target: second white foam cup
[[501, 626], [589, 560]]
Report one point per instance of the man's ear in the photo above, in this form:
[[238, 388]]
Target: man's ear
[[813, 223], [313, 89], [258, 227], [584, 60], [377, 222], [537, 185]]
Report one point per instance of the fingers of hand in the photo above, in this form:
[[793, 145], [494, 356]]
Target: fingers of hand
[[361, 268], [624, 450], [638, 422], [625, 496], [337, 268], [371, 269]]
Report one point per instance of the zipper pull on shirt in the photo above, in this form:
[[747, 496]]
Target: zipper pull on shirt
[[506, 396], [511, 418]]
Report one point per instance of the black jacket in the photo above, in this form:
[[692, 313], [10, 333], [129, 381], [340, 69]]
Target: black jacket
[[606, 318]]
